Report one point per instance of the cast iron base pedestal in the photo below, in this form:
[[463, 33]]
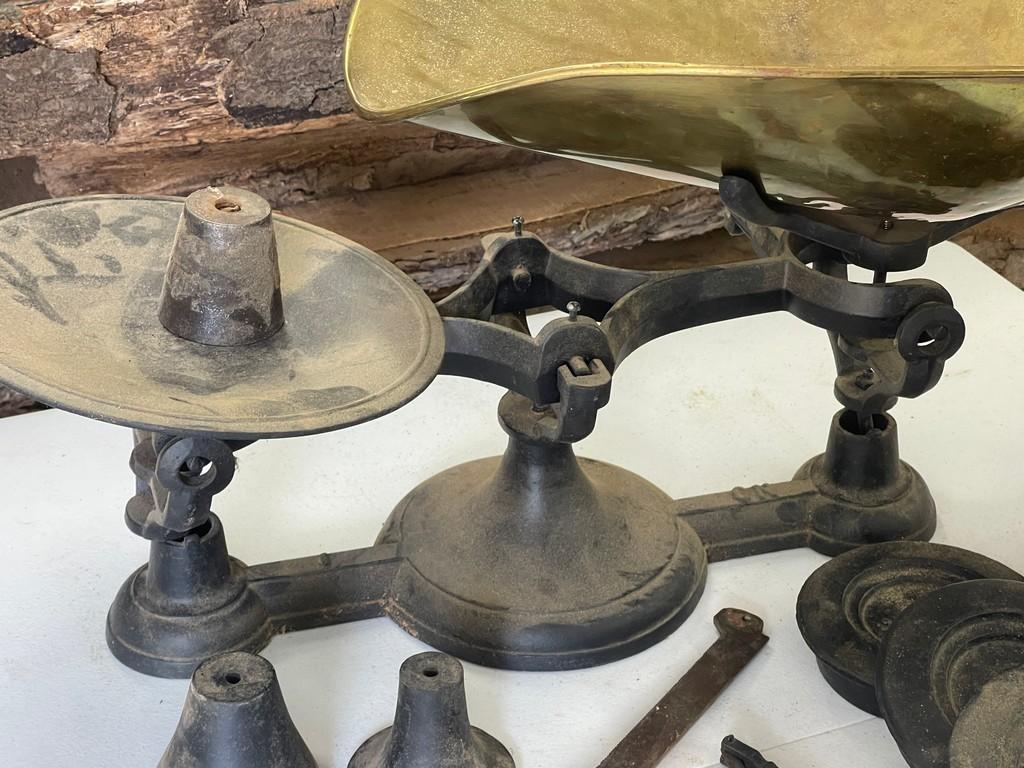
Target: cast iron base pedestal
[[857, 492], [469, 555], [190, 602], [538, 560]]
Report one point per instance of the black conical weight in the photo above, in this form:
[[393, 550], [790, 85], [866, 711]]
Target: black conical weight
[[431, 728], [235, 717]]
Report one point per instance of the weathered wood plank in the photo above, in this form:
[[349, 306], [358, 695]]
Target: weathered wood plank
[[286, 168], [13, 403], [433, 230]]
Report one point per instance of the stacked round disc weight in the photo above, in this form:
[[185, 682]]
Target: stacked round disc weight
[[951, 677], [848, 606]]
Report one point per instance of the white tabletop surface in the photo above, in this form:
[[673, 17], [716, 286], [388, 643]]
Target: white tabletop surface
[[739, 403]]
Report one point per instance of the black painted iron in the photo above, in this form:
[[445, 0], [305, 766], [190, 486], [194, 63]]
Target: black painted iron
[[939, 656], [235, 717], [848, 605], [554, 596], [736, 754], [191, 600], [586, 562], [868, 243], [431, 728]]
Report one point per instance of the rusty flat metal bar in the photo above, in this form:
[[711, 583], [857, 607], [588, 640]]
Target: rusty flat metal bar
[[741, 637]]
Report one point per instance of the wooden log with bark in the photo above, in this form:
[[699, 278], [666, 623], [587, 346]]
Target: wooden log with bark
[[165, 96]]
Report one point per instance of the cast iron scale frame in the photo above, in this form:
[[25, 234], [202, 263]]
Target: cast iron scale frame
[[539, 560]]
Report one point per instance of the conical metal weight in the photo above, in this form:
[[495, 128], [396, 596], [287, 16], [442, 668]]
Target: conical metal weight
[[431, 728], [223, 283], [235, 717]]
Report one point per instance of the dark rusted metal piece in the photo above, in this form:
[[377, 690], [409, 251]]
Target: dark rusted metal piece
[[191, 600], [939, 656], [235, 717], [736, 754], [741, 638], [431, 728], [847, 606], [177, 478], [223, 285], [886, 248], [857, 492]]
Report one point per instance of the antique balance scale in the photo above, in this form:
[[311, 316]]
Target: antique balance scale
[[208, 324]]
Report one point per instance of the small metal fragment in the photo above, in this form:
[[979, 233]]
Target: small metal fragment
[[741, 637], [573, 308], [517, 226], [736, 754], [865, 379], [579, 366]]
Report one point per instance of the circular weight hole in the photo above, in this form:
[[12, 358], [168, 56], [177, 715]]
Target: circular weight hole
[[232, 678], [228, 205], [430, 672]]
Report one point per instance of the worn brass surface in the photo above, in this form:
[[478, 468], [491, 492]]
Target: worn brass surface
[[910, 108], [80, 284]]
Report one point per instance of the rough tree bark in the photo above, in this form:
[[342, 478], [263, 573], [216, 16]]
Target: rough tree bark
[[168, 95]]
